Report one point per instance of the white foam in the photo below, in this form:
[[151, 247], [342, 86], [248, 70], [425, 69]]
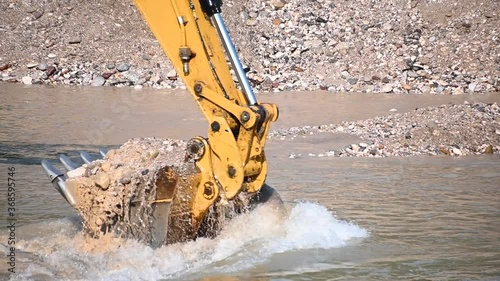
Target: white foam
[[249, 240]]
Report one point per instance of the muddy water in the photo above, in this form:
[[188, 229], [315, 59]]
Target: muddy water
[[420, 218]]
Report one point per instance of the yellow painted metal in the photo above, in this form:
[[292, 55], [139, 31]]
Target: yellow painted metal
[[183, 26], [207, 193], [234, 159]]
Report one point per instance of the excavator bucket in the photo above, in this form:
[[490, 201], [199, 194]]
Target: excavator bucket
[[144, 190], [130, 191]]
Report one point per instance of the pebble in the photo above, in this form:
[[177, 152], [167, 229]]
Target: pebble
[[98, 81], [488, 149], [51, 56], [122, 67], [106, 75], [37, 14], [172, 74], [126, 179], [5, 66], [74, 40], [78, 172], [251, 22], [102, 180], [50, 70], [386, 88], [27, 80], [355, 147], [140, 81], [472, 87], [155, 79], [456, 151], [31, 65], [278, 5], [352, 81], [42, 66], [313, 43]]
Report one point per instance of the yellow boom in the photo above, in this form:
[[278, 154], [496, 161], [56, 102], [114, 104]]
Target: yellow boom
[[231, 160]]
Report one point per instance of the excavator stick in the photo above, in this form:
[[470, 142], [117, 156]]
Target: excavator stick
[[226, 168]]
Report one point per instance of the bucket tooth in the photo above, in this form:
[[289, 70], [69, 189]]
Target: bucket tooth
[[67, 162], [86, 157], [58, 180], [103, 151]]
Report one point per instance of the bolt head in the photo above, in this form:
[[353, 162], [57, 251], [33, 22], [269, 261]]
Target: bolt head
[[231, 171], [198, 88], [245, 116], [215, 126]]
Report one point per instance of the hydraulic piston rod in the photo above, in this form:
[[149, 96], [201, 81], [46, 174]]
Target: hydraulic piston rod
[[212, 9]]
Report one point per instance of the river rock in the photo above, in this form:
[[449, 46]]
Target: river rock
[[355, 147], [51, 70], [387, 88], [78, 172], [74, 40], [172, 75], [102, 180], [106, 75], [488, 149], [37, 14], [313, 43], [27, 80], [42, 66], [251, 22], [456, 151], [98, 81], [122, 67]]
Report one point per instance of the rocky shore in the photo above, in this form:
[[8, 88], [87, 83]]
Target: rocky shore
[[411, 46], [454, 130]]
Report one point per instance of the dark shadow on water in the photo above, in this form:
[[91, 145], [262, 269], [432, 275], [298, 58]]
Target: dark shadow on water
[[33, 153]]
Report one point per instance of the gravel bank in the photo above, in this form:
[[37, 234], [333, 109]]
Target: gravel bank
[[438, 46], [455, 130]]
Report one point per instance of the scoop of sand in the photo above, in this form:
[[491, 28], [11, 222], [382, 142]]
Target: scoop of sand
[[119, 195]]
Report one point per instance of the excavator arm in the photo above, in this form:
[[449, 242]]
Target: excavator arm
[[231, 159], [193, 35]]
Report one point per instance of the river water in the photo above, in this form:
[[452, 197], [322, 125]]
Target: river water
[[416, 218]]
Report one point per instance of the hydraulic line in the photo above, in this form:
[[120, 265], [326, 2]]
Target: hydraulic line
[[233, 57]]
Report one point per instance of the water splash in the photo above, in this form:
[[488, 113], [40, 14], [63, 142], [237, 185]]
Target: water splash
[[249, 241]]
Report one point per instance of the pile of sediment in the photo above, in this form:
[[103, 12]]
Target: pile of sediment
[[145, 190], [116, 194], [453, 130]]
